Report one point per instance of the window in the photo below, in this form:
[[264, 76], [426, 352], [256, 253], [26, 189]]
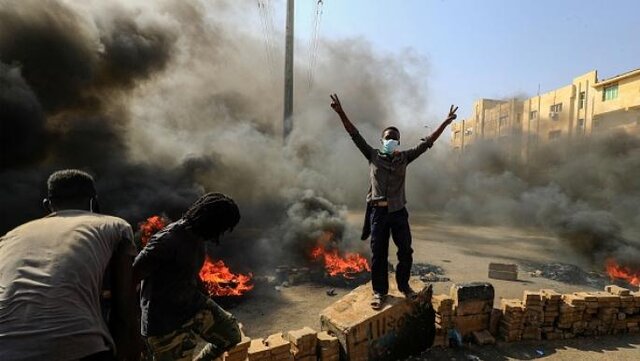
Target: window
[[556, 108], [580, 123], [503, 120], [533, 114], [554, 134], [456, 134], [581, 100], [610, 92]]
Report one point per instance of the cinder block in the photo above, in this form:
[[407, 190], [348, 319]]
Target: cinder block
[[471, 291], [501, 275]]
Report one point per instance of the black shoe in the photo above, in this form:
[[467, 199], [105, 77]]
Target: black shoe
[[409, 293]]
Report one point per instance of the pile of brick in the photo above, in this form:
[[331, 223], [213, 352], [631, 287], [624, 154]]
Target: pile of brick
[[512, 320], [240, 351], [551, 311], [258, 351], [443, 306], [364, 333], [303, 344], [472, 305], [279, 348], [533, 316], [549, 315], [298, 345], [354, 332], [328, 347]]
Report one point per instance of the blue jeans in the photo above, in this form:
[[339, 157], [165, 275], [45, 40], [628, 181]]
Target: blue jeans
[[383, 225]]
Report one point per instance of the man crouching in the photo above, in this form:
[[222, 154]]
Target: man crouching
[[174, 310]]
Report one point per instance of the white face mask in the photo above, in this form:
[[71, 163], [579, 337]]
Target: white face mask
[[389, 146]]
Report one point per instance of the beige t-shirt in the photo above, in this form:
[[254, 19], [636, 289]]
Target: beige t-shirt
[[51, 273]]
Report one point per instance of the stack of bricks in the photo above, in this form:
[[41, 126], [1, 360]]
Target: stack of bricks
[[303, 344], [628, 314], [258, 351], [279, 348], [240, 351], [590, 321], [512, 320], [633, 322], [533, 316], [328, 347], [551, 310], [443, 307], [610, 307], [472, 305], [608, 313], [571, 315]]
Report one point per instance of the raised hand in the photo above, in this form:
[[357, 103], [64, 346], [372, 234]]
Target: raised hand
[[452, 114], [335, 103]]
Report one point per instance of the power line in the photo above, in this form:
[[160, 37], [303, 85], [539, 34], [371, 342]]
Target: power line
[[266, 23], [314, 40]]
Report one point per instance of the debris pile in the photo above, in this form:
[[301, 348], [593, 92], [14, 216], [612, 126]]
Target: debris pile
[[568, 273], [428, 272]]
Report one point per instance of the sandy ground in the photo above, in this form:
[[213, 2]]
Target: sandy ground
[[464, 253]]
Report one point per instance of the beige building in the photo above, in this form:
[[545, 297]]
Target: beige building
[[584, 107]]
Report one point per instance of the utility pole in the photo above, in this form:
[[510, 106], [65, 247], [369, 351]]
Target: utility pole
[[288, 73]]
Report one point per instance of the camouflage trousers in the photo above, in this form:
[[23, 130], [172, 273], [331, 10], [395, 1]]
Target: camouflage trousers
[[212, 324]]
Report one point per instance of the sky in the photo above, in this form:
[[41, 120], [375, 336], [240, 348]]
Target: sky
[[486, 49]]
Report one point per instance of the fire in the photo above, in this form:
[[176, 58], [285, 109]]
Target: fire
[[215, 275], [150, 227], [618, 271], [220, 281], [336, 265]]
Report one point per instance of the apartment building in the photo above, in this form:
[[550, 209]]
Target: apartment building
[[586, 106]]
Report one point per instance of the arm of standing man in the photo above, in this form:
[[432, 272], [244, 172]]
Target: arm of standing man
[[428, 141], [365, 148]]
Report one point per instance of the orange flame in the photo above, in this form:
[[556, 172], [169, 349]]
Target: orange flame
[[615, 270], [216, 276], [220, 281], [150, 227], [336, 265]]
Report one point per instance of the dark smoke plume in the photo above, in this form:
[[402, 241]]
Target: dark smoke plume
[[164, 101]]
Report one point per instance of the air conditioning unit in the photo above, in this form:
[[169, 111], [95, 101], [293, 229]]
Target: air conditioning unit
[[553, 115], [469, 131]]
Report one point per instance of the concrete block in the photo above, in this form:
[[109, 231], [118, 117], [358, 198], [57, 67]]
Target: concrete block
[[471, 291], [361, 330]]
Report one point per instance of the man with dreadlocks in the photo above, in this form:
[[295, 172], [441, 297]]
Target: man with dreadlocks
[[174, 310]]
